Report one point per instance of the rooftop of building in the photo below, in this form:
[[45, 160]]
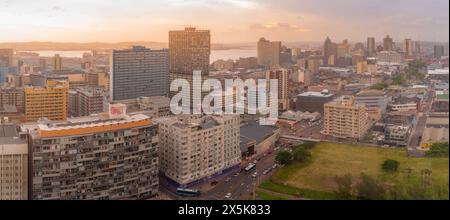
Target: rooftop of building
[[138, 48], [439, 71], [254, 131], [370, 92], [324, 94], [9, 134]]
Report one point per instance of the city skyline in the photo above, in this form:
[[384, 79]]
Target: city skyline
[[230, 21]]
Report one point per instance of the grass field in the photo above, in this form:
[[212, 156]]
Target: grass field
[[316, 179]]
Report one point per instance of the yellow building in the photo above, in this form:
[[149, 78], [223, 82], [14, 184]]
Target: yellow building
[[343, 118], [361, 67], [49, 101]]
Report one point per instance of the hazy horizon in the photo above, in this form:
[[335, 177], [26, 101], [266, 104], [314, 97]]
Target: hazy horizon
[[230, 21]]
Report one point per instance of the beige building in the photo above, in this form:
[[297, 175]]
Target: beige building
[[49, 102], [13, 164], [282, 76], [436, 129], [194, 147], [343, 118], [269, 52], [57, 62]]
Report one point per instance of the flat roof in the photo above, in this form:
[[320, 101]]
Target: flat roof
[[253, 130], [316, 94]]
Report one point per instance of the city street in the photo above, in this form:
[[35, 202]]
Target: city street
[[240, 186]]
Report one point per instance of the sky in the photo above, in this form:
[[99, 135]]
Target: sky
[[230, 21]]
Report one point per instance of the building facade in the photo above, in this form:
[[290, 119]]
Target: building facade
[[13, 164], [343, 118], [194, 147], [49, 102], [102, 157], [268, 53], [139, 71], [313, 101]]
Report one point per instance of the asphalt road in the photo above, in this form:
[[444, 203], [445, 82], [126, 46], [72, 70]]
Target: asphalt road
[[240, 186]]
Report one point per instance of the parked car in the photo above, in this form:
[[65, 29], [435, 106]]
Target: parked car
[[227, 179], [274, 166], [255, 174], [228, 196]]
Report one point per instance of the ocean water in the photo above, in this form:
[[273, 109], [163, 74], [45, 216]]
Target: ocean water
[[233, 54]]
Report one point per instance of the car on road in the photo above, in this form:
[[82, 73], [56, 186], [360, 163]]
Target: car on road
[[213, 183], [227, 179], [236, 174], [255, 174], [267, 171], [228, 196], [274, 166], [255, 161]]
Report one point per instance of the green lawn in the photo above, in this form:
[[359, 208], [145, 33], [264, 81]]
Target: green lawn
[[316, 179], [269, 196]]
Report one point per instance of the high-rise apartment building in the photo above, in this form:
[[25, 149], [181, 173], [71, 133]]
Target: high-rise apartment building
[[282, 75], [49, 101], [107, 156], [388, 43], [408, 47], [329, 52], [189, 50], [371, 46], [343, 118], [137, 72], [268, 53], [195, 147], [57, 63], [6, 57], [13, 164]]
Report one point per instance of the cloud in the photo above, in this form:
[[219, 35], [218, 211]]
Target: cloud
[[277, 26]]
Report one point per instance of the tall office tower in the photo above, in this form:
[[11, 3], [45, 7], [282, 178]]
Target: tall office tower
[[329, 52], [343, 49], [12, 96], [417, 47], [6, 57], [371, 46], [49, 102], [282, 76], [195, 147], [343, 118], [408, 47], [43, 64], [57, 62], [268, 53], [137, 72], [388, 44], [84, 101], [13, 164], [105, 156], [313, 64], [439, 51], [189, 50], [20, 64]]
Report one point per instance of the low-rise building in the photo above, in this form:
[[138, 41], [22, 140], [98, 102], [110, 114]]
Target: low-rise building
[[313, 101]]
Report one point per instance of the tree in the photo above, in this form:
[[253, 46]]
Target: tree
[[378, 86], [438, 150], [370, 189], [284, 157], [300, 154], [344, 190], [390, 165], [398, 80]]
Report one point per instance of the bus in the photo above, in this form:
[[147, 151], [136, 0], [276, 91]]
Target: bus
[[250, 167], [188, 192]]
